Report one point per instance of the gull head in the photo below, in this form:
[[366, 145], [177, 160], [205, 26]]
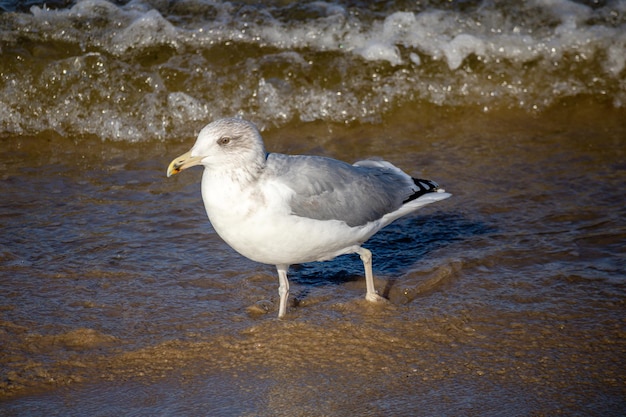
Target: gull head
[[225, 144]]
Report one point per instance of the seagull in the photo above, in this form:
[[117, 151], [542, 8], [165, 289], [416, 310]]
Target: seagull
[[282, 209]]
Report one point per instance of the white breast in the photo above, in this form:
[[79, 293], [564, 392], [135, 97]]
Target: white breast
[[257, 222]]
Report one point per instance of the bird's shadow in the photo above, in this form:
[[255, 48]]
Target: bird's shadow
[[395, 249]]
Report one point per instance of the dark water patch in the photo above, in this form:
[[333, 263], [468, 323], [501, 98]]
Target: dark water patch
[[396, 249]]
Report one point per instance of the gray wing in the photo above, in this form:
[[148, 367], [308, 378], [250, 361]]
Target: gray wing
[[328, 189]]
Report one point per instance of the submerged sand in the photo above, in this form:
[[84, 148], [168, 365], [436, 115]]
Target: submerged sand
[[506, 299]]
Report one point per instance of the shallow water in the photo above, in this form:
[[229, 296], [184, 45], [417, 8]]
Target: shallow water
[[506, 299]]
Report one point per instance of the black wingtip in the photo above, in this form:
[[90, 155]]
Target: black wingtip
[[423, 187]]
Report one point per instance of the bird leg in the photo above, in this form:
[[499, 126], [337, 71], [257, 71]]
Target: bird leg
[[283, 289], [366, 257]]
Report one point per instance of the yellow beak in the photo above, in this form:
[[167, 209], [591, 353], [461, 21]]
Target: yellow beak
[[183, 162]]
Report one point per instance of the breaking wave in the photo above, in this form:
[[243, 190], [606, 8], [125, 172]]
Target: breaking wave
[[145, 70]]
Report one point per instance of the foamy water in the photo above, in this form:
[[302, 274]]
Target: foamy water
[[145, 70]]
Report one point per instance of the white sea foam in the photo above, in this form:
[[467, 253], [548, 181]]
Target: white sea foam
[[147, 30], [156, 69]]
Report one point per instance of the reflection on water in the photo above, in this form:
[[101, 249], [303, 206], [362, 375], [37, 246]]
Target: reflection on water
[[508, 296]]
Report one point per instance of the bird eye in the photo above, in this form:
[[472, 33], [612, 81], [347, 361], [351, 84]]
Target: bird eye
[[224, 140]]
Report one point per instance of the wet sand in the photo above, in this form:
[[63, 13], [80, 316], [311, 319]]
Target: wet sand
[[507, 299]]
